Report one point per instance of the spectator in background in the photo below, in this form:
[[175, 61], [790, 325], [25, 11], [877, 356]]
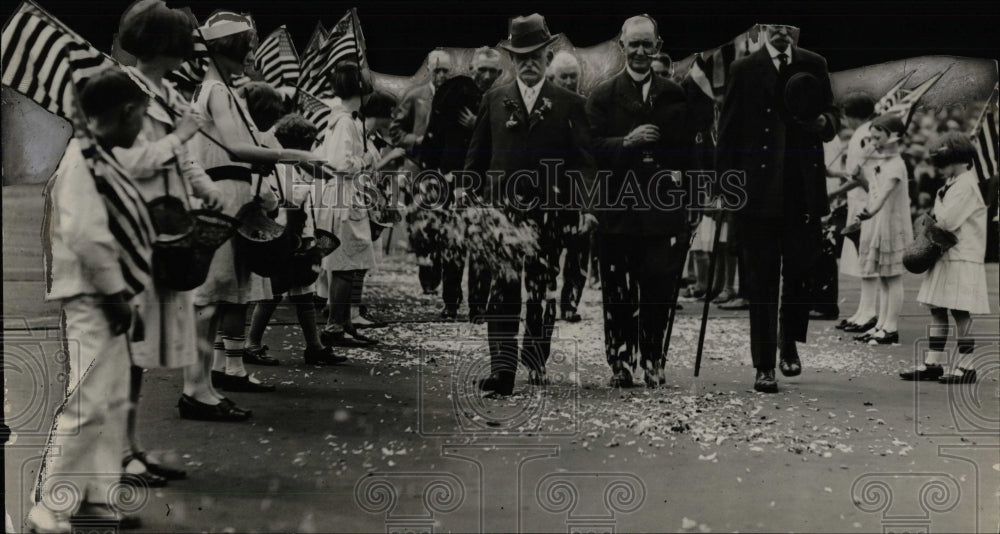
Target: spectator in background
[[663, 66]]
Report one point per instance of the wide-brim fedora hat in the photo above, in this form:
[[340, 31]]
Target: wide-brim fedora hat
[[800, 93], [528, 34]]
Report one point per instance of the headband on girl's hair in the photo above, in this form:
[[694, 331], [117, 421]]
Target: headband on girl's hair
[[223, 24]]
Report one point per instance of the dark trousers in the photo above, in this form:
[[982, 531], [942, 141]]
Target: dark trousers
[[637, 292], [425, 241], [452, 266], [574, 270], [503, 315], [824, 274], [776, 252]]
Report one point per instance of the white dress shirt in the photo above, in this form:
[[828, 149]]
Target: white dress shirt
[[773, 52], [529, 94], [638, 77]]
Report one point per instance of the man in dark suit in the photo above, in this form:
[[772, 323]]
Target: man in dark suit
[[444, 147], [782, 155], [407, 130], [520, 126], [639, 132]]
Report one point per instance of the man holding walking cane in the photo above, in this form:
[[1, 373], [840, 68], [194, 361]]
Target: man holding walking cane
[[638, 125], [777, 112]]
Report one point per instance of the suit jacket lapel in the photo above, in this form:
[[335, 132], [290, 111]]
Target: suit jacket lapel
[[514, 94], [544, 93]]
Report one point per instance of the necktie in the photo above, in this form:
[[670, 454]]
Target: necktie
[[782, 61]]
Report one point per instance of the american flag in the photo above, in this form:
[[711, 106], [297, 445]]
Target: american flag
[[277, 61], [316, 40], [893, 95], [316, 111], [49, 63], [984, 137], [341, 44], [907, 102]]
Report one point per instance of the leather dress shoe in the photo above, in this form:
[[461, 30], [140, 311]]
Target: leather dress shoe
[[655, 377], [765, 382], [962, 376], [259, 356], [323, 356], [790, 364], [161, 470], [497, 385], [884, 338], [858, 328], [924, 372], [190, 408], [243, 384], [94, 514], [449, 313], [621, 378], [571, 317]]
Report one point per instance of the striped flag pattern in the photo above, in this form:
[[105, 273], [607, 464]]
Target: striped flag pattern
[[277, 61], [893, 95], [907, 103], [316, 111], [47, 62], [984, 137], [341, 44]]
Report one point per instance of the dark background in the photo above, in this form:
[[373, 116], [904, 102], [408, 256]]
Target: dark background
[[399, 34]]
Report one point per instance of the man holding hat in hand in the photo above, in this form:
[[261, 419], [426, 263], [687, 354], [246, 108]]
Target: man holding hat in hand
[[529, 135], [778, 111]]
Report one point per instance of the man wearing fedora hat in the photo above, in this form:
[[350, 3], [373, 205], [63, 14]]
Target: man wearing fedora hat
[[778, 111], [529, 135], [639, 129]]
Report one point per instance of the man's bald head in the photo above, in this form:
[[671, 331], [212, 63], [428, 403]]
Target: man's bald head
[[640, 23]]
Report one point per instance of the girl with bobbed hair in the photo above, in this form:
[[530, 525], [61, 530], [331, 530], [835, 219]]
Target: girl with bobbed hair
[[957, 282], [222, 300], [162, 161]]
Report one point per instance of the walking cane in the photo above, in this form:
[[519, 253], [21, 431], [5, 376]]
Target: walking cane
[[672, 314], [708, 292]]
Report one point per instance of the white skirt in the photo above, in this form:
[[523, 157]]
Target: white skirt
[[956, 285], [705, 234]]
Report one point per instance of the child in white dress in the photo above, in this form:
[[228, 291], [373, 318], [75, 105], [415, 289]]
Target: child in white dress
[[957, 282]]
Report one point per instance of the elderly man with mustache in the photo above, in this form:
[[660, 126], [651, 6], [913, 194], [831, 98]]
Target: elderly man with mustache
[[531, 136]]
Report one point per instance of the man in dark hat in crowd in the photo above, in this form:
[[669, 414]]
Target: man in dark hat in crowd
[[638, 125], [519, 126], [449, 131], [778, 111]]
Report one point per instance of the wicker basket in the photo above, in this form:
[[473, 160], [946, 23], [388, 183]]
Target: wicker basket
[[261, 243], [929, 245], [169, 216], [212, 229]]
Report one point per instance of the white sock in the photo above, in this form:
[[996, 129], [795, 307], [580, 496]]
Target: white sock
[[234, 355]]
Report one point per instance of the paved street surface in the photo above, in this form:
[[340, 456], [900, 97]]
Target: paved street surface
[[398, 440]]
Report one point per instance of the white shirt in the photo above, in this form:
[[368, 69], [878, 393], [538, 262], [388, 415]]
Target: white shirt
[[638, 77], [84, 253], [773, 52], [529, 94]]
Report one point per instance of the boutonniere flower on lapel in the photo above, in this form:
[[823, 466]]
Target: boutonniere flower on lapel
[[538, 114], [512, 107]]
